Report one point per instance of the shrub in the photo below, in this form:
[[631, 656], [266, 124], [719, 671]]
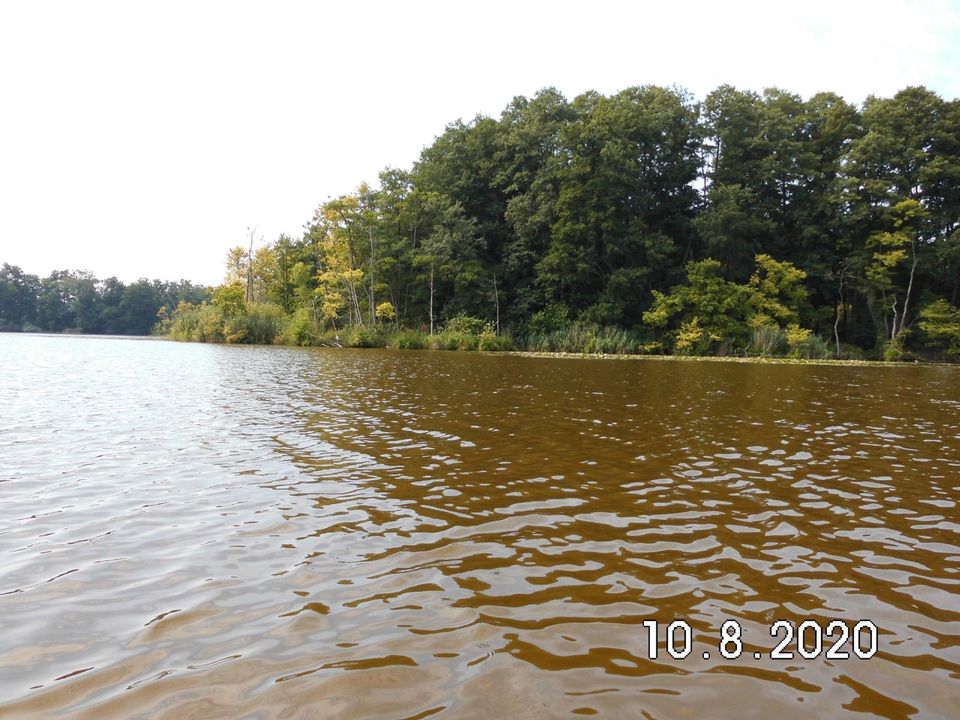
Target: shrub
[[613, 340], [768, 340], [894, 350], [724, 348], [363, 337], [692, 339], [258, 324], [651, 348], [449, 340], [209, 325], [940, 327], [409, 340], [234, 330], [185, 321], [467, 325], [585, 337], [263, 322], [230, 299], [797, 335], [851, 352], [492, 342], [385, 311], [549, 320], [298, 329], [813, 347]]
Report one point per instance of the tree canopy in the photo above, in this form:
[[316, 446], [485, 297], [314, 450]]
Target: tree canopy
[[646, 212]]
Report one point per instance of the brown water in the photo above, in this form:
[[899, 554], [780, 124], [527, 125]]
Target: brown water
[[191, 532]]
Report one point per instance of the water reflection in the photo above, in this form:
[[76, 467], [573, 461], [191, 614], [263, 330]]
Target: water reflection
[[197, 531]]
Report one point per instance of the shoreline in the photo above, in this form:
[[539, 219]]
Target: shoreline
[[559, 355], [851, 362], [726, 358]]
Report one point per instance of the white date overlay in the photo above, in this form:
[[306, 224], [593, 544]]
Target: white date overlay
[[811, 639]]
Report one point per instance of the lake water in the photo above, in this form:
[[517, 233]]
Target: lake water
[[191, 531]]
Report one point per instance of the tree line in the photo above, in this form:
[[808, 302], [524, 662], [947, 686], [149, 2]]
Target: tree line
[[643, 221], [68, 301]]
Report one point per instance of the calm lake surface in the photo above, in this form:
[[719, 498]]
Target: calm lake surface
[[191, 531]]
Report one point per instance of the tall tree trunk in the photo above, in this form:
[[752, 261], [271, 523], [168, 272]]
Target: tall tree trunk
[[373, 299], [431, 298], [496, 300], [840, 307], [249, 293], [906, 300], [355, 312], [893, 330]]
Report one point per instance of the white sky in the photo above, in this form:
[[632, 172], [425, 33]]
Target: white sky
[[143, 138]]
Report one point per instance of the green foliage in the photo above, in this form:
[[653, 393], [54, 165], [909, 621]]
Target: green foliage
[[710, 314], [895, 350], [940, 326], [18, 298], [732, 228], [768, 341], [385, 311], [259, 324], [486, 340], [706, 310], [297, 329], [77, 302], [184, 322], [209, 327], [692, 339], [230, 299], [549, 320], [466, 325], [585, 337], [851, 352], [491, 342], [812, 347], [793, 341], [777, 293], [448, 340], [408, 340], [363, 337], [638, 221], [197, 323]]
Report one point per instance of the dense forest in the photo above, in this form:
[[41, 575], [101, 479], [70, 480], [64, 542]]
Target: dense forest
[[644, 221], [78, 302]]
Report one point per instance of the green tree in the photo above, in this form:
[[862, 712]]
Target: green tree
[[449, 255], [230, 299], [625, 202], [940, 325], [703, 312], [138, 307], [55, 312], [892, 250], [19, 294], [733, 229], [777, 293]]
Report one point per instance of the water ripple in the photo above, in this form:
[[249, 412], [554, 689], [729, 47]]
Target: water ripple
[[194, 531]]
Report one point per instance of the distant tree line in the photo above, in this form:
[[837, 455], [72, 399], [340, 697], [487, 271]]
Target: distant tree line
[[78, 302]]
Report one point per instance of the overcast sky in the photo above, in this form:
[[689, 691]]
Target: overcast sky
[[141, 139]]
